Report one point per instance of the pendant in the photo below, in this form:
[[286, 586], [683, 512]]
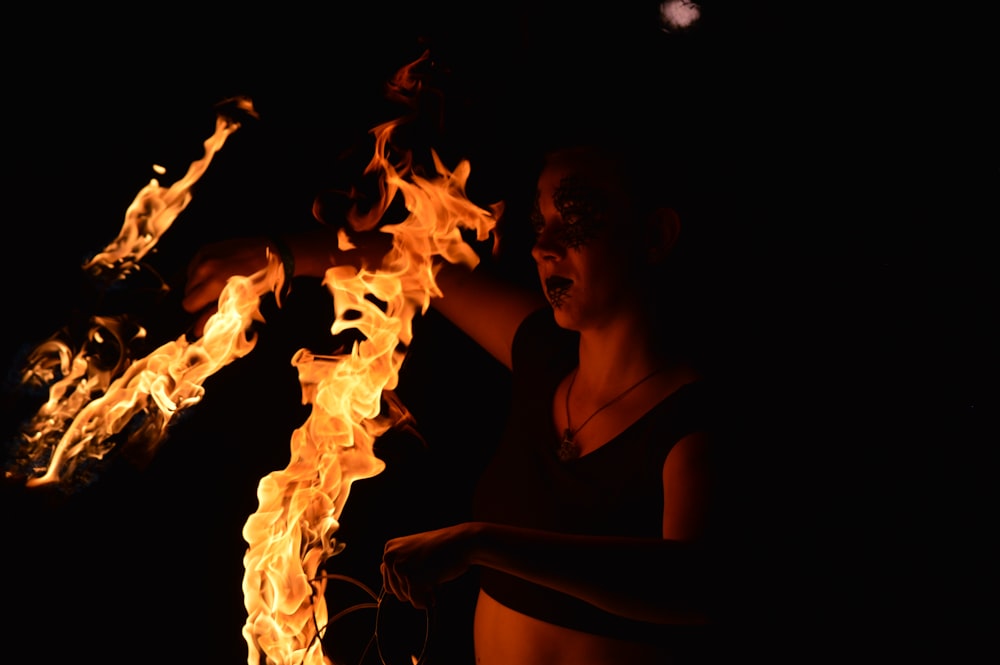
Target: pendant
[[568, 450]]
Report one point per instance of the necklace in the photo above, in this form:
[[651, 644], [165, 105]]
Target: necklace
[[568, 448]]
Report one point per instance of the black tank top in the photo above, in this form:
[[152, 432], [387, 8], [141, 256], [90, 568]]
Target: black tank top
[[616, 490]]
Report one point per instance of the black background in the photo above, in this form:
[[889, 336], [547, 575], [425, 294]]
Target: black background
[[853, 162]]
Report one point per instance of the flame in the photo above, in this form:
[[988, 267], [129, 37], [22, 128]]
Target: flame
[[74, 380], [155, 208], [96, 392], [153, 390], [291, 534]]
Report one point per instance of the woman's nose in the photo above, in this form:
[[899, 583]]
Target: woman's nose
[[548, 246]]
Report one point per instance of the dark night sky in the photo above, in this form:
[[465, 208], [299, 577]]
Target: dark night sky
[[852, 163]]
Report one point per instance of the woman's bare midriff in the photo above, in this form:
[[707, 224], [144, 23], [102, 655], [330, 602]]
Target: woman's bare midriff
[[506, 637]]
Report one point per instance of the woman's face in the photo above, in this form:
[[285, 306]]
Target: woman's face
[[585, 240]]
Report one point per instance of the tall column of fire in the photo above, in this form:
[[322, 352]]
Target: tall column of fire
[[291, 534]]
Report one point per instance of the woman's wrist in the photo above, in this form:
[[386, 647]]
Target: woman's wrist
[[476, 537]]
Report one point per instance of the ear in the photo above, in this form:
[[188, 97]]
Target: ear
[[664, 230]]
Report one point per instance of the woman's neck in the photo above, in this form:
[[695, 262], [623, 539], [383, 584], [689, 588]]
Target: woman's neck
[[617, 354]]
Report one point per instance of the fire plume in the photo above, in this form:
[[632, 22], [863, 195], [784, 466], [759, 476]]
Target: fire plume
[[96, 393], [94, 404], [291, 534], [155, 208], [151, 391]]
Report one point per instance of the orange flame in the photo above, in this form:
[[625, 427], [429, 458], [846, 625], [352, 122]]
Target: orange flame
[[156, 388], [291, 534], [95, 393], [74, 381], [155, 208]]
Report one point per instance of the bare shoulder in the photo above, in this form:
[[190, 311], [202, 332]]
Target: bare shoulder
[[688, 476]]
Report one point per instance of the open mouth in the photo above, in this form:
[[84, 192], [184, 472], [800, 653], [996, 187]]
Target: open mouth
[[556, 288]]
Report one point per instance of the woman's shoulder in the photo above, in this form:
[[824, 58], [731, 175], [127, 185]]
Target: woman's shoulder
[[696, 407]]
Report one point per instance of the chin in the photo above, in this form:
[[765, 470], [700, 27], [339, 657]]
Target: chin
[[564, 318]]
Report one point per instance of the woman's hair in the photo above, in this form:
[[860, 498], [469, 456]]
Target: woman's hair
[[656, 171], [654, 168]]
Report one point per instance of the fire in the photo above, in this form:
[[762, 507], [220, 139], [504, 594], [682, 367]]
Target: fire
[[154, 389], [155, 208], [291, 534], [96, 393]]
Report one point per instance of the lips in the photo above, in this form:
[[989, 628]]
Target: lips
[[557, 283], [556, 288]]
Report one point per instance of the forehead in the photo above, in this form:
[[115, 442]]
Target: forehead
[[582, 170]]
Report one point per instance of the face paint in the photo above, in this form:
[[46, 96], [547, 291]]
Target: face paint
[[581, 211], [556, 289]]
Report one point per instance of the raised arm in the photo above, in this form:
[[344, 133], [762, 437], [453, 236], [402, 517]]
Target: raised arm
[[485, 308]]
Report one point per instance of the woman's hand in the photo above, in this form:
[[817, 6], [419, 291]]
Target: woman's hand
[[412, 566], [212, 267]]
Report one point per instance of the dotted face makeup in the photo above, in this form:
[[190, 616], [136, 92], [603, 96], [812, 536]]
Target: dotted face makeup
[[582, 212]]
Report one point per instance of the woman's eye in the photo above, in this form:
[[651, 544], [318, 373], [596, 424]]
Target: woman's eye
[[536, 219], [573, 215]]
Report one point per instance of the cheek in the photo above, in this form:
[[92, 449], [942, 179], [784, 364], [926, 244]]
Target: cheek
[[581, 233], [614, 265]]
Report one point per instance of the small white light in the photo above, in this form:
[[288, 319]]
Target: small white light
[[678, 14]]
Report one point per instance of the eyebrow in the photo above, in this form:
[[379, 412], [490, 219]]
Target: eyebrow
[[573, 194]]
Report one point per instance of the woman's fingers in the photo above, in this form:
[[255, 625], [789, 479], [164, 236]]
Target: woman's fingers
[[391, 576], [406, 586], [197, 329], [422, 599], [210, 270], [413, 566], [206, 279]]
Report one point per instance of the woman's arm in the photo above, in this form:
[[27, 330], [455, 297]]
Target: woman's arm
[[487, 309], [311, 252], [648, 579], [663, 580]]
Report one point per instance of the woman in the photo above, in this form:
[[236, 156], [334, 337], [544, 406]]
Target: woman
[[593, 523]]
